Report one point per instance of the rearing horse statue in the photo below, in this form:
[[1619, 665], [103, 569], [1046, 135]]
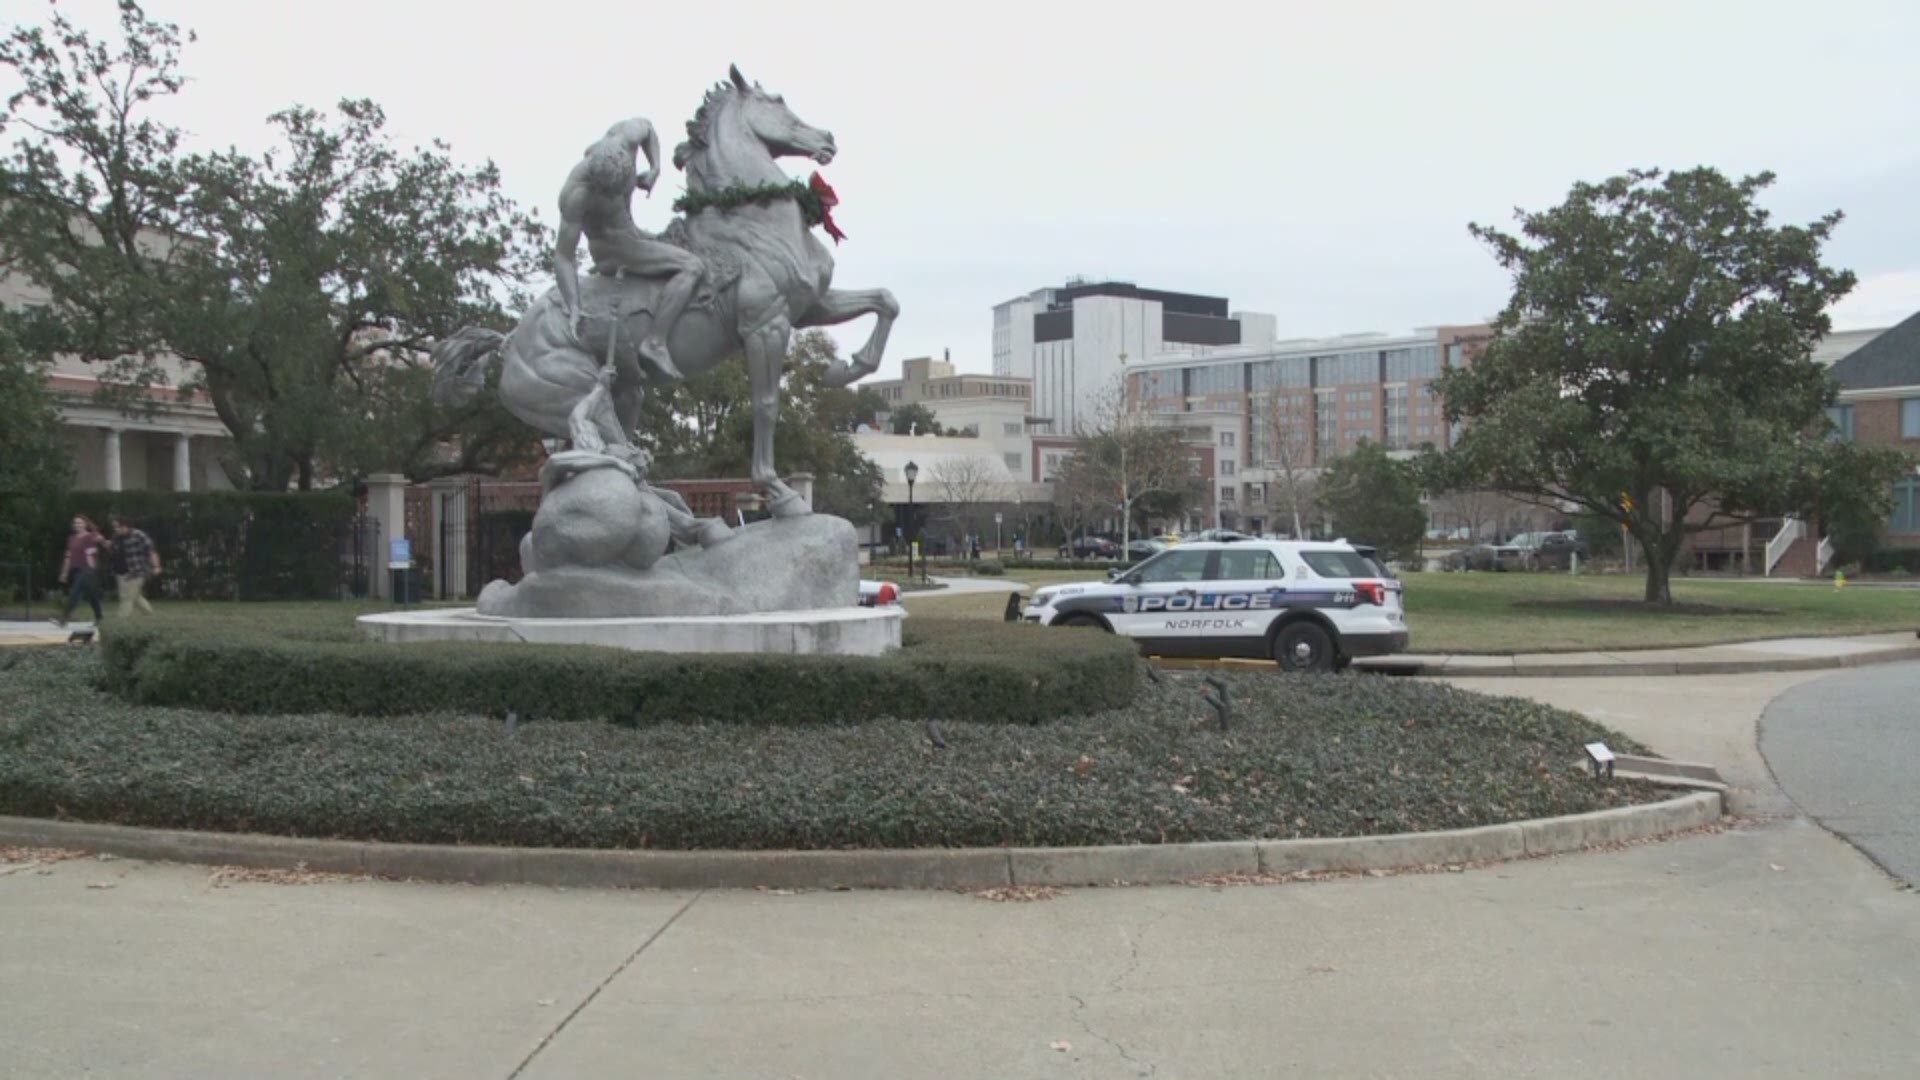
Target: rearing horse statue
[[766, 276]]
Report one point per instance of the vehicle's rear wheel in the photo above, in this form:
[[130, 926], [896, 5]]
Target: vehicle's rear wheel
[[1303, 646]]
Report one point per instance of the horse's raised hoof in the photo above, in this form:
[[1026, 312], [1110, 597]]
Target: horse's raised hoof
[[789, 505]]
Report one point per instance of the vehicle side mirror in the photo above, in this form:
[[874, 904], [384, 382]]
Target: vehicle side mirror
[[1113, 573]]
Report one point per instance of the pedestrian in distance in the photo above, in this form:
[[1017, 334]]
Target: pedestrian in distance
[[81, 571], [134, 561]]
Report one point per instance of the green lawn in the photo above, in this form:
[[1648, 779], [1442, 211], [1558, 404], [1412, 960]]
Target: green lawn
[[1484, 613], [1487, 613]]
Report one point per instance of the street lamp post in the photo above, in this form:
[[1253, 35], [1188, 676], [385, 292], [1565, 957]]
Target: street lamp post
[[913, 473]]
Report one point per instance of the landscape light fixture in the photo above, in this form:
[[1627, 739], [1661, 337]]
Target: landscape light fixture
[[1601, 759]]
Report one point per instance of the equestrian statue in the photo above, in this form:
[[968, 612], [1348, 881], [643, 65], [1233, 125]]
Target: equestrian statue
[[737, 272]]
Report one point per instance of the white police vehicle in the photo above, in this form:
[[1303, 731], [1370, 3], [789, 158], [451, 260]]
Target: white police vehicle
[[1310, 606]]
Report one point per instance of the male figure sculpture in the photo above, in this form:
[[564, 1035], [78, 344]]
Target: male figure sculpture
[[598, 201]]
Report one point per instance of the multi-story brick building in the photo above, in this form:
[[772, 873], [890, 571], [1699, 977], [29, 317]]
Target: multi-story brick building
[[1880, 406], [1294, 406]]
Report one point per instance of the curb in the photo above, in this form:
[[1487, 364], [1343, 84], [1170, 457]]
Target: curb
[[946, 868], [1389, 666]]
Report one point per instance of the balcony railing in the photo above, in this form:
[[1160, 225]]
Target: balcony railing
[[1791, 530]]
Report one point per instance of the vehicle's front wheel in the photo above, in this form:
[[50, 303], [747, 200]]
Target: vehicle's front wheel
[[1303, 646], [1086, 621]]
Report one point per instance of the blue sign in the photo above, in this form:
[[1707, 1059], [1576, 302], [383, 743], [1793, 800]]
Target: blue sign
[[399, 552]]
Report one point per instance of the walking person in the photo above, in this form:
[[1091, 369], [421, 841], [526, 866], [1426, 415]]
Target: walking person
[[134, 560], [81, 571]]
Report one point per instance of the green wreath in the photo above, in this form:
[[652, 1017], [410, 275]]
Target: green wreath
[[734, 196]]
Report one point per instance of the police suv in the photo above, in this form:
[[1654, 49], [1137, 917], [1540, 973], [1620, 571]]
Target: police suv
[[1310, 606]]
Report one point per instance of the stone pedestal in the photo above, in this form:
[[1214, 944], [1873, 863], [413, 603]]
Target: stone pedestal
[[839, 631]]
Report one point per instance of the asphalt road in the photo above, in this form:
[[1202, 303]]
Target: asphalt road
[[1846, 749]]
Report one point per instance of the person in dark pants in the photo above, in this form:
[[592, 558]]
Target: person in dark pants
[[81, 573]]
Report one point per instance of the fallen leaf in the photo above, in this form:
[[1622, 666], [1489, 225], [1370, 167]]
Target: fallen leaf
[[544, 1002], [1083, 766], [1776, 866], [1061, 1045], [1020, 893], [100, 885]]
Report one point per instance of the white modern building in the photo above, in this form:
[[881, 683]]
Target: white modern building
[[1076, 341]]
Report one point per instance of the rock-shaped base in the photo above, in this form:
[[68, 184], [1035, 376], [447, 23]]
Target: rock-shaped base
[[781, 564]]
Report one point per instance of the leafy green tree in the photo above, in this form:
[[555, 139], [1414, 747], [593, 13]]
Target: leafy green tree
[[1601, 534], [704, 427], [914, 418], [1374, 500], [1653, 366], [35, 466], [303, 289]]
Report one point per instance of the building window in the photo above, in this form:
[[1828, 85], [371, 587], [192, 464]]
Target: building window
[[1906, 506], [1013, 463], [1010, 428], [1226, 494], [1842, 417], [1909, 418], [1226, 466], [1226, 438]]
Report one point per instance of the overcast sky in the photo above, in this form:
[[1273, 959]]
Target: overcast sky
[[1317, 161]]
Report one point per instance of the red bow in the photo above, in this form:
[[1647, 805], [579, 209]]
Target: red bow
[[828, 200]]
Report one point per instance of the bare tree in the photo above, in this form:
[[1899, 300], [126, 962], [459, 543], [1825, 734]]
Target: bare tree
[[1130, 457], [1287, 454], [965, 484], [1075, 497]]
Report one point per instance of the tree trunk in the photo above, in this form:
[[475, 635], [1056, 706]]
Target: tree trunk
[[1659, 557], [306, 473]]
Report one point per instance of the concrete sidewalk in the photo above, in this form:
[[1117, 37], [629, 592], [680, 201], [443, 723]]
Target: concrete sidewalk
[[962, 586], [42, 632], [1780, 654], [1773, 950]]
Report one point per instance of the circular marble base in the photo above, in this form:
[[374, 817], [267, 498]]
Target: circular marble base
[[848, 631]]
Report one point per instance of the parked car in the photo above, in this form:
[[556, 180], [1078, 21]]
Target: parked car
[[1140, 550], [1220, 536], [877, 594], [1090, 547], [1309, 606], [1556, 551], [1474, 557]]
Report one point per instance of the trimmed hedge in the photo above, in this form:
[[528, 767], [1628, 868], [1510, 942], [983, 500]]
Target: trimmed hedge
[[948, 669], [1307, 756], [229, 545], [1063, 564], [1892, 560]]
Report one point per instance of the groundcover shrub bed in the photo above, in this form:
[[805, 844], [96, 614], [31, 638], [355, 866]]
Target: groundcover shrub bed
[[1305, 757], [948, 669]]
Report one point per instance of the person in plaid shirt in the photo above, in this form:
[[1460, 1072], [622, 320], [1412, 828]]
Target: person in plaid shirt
[[134, 560]]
